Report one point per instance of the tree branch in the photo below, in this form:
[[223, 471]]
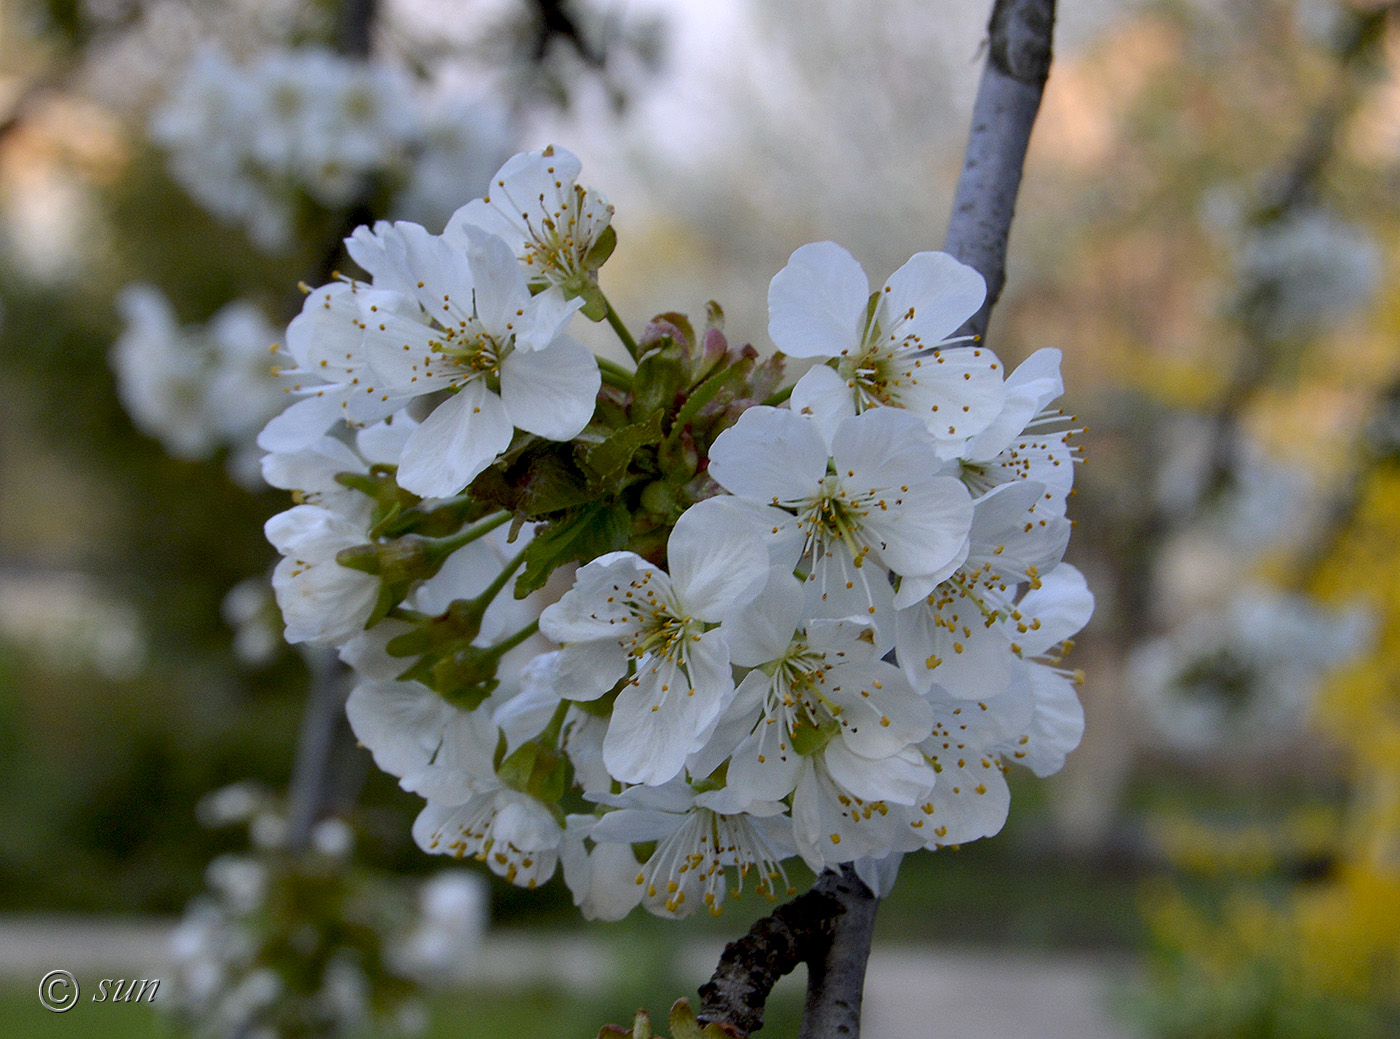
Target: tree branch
[[328, 772], [830, 927], [1008, 98], [356, 29], [836, 978]]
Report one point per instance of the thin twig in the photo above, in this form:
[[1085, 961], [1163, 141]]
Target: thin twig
[[748, 969], [357, 27]]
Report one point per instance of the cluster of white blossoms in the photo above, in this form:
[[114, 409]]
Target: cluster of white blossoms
[[1246, 675], [286, 944], [748, 623], [1306, 271], [252, 141], [197, 388]]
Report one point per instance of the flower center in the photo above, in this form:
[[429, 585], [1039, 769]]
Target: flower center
[[479, 356], [833, 515], [872, 375]]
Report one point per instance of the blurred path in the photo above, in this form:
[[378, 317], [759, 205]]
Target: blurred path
[[911, 992]]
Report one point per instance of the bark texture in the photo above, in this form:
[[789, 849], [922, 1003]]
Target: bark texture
[[829, 929], [1008, 98]]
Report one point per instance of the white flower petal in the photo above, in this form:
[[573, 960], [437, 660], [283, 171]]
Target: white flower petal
[[824, 397], [901, 778], [596, 606], [551, 392], [455, 443], [655, 721], [400, 722], [1062, 605], [930, 297], [501, 295], [816, 304], [718, 562], [969, 801], [769, 453], [762, 630]]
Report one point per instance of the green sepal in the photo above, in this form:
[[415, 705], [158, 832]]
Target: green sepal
[[463, 677], [469, 697], [603, 705], [364, 558], [362, 482], [595, 305], [403, 559], [601, 249], [388, 599], [537, 770], [385, 524]]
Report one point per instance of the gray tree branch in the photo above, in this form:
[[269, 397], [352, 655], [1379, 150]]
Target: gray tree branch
[[836, 972], [328, 771], [1008, 98], [830, 928]]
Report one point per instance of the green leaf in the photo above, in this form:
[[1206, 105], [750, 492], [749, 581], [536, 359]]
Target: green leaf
[[554, 485], [658, 380], [734, 374], [543, 480], [607, 461], [591, 531]]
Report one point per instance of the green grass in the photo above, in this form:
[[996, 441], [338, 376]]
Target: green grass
[[520, 1014], [22, 1017]]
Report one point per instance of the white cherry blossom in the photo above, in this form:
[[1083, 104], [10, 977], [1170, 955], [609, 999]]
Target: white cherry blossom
[[322, 602], [699, 837], [551, 222], [895, 353], [962, 632], [869, 505], [812, 683], [437, 317], [480, 333], [626, 618]]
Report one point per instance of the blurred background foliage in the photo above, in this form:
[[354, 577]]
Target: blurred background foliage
[[1253, 860]]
